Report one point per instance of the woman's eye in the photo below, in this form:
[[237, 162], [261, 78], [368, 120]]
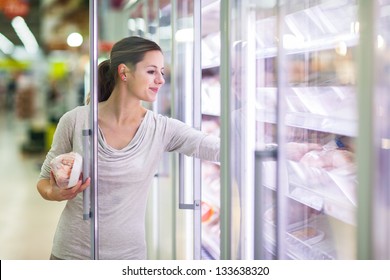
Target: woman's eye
[[151, 72]]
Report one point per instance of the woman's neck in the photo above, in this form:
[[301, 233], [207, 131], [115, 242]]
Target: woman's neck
[[121, 110]]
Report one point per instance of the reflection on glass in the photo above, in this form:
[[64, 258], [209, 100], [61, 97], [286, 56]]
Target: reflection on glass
[[381, 212], [306, 104], [321, 126]]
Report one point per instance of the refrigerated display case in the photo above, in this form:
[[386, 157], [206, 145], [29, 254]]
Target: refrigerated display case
[[316, 128], [289, 114], [278, 81]]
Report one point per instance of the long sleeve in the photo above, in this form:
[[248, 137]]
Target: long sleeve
[[61, 144], [184, 139], [67, 137]]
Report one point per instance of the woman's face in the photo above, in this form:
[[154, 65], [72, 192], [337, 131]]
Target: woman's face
[[148, 76]]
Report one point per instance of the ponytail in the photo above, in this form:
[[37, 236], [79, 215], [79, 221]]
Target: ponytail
[[106, 81]]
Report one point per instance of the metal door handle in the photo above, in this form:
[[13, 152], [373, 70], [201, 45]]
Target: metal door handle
[[86, 174]]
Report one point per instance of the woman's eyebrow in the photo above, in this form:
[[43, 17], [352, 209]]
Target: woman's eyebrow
[[154, 66]]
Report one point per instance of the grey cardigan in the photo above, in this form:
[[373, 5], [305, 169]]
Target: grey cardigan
[[124, 178]]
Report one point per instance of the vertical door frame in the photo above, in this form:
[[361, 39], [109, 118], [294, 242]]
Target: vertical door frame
[[225, 158], [365, 145], [93, 20], [197, 120]]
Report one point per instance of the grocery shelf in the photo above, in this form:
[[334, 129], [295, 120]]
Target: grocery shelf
[[325, 108], [334, 195], [322, 123], [322, 26], [321, 246]]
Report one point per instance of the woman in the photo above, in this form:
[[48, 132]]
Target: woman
[[131, 141]]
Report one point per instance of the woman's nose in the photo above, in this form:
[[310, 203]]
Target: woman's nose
[[160, 79]]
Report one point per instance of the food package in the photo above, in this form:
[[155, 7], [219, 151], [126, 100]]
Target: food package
[[66, 169], [328, 160], [295, 151], [308, 234], [297, 214]]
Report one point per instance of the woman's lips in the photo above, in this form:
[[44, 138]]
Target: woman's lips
[[155, 90]]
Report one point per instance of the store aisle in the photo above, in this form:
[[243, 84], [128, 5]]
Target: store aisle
[[27, 222]]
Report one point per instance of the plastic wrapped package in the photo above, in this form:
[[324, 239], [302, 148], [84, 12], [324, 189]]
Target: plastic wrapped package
[[328, 159], [308, 234], [66, 169]]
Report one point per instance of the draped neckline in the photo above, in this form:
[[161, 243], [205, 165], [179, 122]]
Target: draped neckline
[[133, 142]]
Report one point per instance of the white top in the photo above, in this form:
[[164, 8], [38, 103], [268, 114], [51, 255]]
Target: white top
[[124, 178]]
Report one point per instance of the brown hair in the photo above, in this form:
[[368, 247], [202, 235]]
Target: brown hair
[[130, 51]]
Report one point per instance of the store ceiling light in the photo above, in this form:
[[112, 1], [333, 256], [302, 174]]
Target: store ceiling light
[[74, 40], [25, 35], [6, 46]]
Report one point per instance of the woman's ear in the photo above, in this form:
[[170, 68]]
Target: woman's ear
[[122, 70]]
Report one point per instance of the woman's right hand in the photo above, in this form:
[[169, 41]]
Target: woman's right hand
[[50, 191]]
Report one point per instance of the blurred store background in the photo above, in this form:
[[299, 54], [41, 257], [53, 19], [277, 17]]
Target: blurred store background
[[43, 56]]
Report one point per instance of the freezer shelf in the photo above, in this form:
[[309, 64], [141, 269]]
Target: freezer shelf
[[334, 191], [333, 194], [331, 102], [327, 109], [321, 123], [336, 184], [320, 247], [320, 27]]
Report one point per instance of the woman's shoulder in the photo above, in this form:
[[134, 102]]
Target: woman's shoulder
[[77, 112], [163, 120], [81, 109]]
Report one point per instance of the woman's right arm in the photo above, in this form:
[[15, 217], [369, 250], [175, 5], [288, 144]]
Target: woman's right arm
[[62, 143], [192, 142], [50, 191]]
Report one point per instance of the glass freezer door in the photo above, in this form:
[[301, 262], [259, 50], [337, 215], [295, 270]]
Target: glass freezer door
[[248, 128], [377, 77], [317, 129], [265, 95]]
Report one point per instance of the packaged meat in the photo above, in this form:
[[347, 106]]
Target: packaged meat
[[295, 151], [318, 159], [328, 159], [308, 234], [297, 214], [342, 158], [66, 169]]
